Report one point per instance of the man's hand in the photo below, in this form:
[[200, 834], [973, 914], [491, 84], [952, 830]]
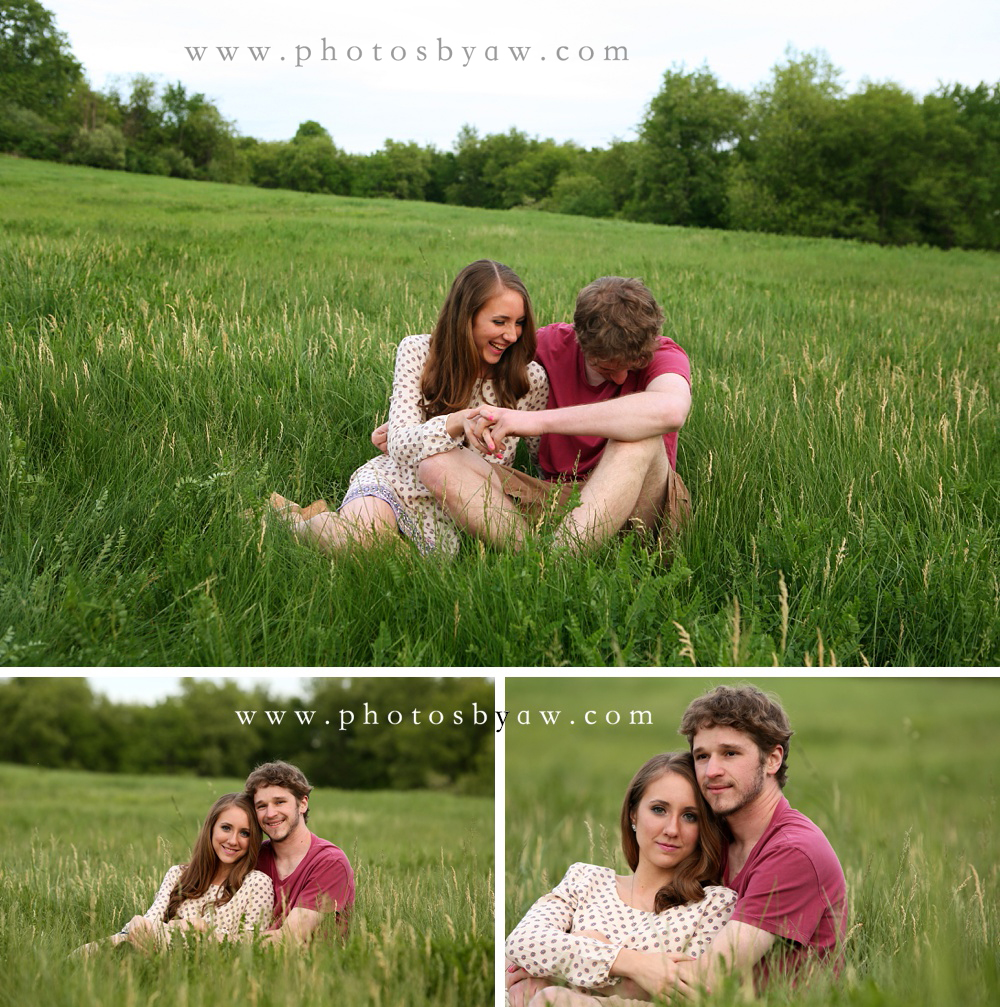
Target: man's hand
[[656, 972], [500, 423]]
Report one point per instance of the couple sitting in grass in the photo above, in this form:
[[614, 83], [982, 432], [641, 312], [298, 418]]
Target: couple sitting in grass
[[726, 877], [238, 886], [600, 402]]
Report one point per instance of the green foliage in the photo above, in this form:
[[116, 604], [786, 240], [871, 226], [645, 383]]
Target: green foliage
[[103, 147], [686, 146], [790, 161], [798, 156], [355, 734], [37, 70], [583, 195], [172, 353]]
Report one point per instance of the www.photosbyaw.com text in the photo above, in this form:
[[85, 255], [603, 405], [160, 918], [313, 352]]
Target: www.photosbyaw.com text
[[436, 53], [343, 720]]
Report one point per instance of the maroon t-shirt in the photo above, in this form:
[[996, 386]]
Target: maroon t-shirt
[[792, 886], [322, 880], [559, 353]]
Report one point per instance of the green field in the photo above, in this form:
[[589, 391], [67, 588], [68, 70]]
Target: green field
[[901, 775], [85, 852], [170, 352]]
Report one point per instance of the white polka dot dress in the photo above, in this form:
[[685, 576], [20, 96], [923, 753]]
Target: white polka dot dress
[[544, 942], [251, 906], [412, 438]]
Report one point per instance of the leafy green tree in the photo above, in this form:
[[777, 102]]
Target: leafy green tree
[[481, 164], [38, 77], [397, 171], [581, 194], [263, 159], [101, 147], [311, 162], [57, 722], [532, 177], [37, 69], [792, 152], [685, 150], [616, 169], [958, 191], [442, 168], [882, 151]]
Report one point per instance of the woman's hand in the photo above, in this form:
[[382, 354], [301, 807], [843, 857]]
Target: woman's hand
[[380, 437], [502, 423], [479, 436], [141, 933]]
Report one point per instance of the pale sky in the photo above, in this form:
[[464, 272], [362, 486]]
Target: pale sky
[[128, 687], [364, 100]]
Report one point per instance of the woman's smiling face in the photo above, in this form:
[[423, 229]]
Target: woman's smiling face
[[497, 325], [231, 835]]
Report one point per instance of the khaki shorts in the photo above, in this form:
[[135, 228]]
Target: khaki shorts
[[540, 497]]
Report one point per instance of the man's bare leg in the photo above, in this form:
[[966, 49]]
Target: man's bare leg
[[470, 490], [629, 482]]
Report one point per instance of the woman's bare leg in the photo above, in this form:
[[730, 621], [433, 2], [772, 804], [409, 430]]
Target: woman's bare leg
[[362, 521]]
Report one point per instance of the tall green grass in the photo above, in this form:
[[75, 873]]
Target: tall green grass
[[901, 775], [85, 852], [170, 352]]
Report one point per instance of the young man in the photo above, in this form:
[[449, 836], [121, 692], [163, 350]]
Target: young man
[[312, 878], [619, 392], [791, 909]]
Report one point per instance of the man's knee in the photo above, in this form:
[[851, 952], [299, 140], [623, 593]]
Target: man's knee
[[649, 453]]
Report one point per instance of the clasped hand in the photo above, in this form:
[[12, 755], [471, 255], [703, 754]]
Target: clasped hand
[[486, 428]]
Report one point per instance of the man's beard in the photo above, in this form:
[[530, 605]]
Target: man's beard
[[745, 798], [290, 825]]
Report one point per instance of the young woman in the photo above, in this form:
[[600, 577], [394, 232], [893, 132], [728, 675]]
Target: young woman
[[480, 352], [605, 934], [217, 891]]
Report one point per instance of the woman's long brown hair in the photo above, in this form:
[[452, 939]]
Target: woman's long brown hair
[[453, 366], [704, 866], [197, 876]]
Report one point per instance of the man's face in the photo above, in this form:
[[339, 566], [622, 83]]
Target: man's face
[[278, 811], [600, 371], [730, 772]]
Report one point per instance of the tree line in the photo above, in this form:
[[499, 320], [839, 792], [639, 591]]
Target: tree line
[[798, 155], [207, 731]]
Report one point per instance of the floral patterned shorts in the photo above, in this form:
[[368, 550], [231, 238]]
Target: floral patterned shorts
[[365, 484]]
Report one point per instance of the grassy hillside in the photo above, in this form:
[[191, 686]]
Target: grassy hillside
[[84, 852], [170, 352], [901, 775]]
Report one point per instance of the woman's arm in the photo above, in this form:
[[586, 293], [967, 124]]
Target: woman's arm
[[149, 930], [412, 438], [250, 909], [536, 400], [542, 943]]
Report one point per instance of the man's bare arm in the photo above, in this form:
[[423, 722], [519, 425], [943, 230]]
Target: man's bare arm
[[736, 949], [299, 926], [660, 409]]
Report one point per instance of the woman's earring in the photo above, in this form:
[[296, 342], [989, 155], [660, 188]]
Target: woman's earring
[[633, 826]]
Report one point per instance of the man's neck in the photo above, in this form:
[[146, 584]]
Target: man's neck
[[291, 849], [750, 823]]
